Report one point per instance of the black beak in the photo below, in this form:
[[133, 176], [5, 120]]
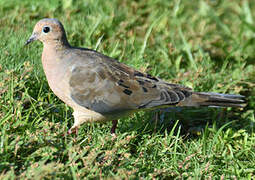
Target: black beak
[[31, 39]]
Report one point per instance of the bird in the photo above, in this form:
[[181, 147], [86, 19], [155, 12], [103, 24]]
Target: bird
[[99, 88]]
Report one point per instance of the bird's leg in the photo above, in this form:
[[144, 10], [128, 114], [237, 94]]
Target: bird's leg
[[114, 125], [156, 121], [77, 122], [73, 130], [157, 118]]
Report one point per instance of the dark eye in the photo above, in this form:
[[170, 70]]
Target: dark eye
[[46, 29]]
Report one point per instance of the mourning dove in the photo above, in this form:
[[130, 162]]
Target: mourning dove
[[100, 88]]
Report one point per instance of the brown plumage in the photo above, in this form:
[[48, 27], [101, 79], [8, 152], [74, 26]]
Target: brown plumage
[[100, 88]]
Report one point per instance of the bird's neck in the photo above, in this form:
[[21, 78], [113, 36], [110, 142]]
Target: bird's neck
[[52, 59], [56, 44]]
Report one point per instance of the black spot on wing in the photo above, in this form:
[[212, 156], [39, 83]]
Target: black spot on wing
[[137, 73], [140, 82], [127, 92], [145, 90], [121, 83], [152, 78]]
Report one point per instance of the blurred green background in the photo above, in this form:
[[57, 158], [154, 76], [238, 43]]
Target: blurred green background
[[208, 45]]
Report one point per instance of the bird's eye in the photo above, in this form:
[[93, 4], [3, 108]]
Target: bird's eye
[[46, 29]]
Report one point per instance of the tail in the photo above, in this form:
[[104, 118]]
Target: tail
[[216, 100]]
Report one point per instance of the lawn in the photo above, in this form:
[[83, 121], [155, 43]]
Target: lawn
[[208, 45]]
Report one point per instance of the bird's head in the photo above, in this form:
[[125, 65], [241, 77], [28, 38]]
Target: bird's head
[[48, 31]]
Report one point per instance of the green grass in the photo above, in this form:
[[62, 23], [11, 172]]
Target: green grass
[[207, 45]]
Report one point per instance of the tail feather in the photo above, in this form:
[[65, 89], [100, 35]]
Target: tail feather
[[218, 100]]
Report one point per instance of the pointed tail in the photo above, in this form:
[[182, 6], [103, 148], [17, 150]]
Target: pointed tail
[[216, 100]]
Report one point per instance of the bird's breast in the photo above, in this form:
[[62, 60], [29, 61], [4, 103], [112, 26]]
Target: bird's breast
[[57, 74]]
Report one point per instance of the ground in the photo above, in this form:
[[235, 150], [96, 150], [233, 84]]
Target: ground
[[208, 45]]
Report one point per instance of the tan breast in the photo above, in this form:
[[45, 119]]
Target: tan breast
[[57, 74]]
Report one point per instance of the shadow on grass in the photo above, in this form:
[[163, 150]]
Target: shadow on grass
[[191, 121], [50, 146]]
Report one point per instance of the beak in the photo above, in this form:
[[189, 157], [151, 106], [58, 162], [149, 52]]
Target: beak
[[32, 38]]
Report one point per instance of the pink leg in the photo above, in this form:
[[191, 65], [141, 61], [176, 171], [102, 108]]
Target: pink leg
[[73, 131]]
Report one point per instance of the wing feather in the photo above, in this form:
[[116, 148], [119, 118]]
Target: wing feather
[[105, 85]]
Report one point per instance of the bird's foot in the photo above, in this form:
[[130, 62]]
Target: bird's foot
[[114, 136], [73, 130]]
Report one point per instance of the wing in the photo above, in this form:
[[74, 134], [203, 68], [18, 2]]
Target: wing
[[106, 86]]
